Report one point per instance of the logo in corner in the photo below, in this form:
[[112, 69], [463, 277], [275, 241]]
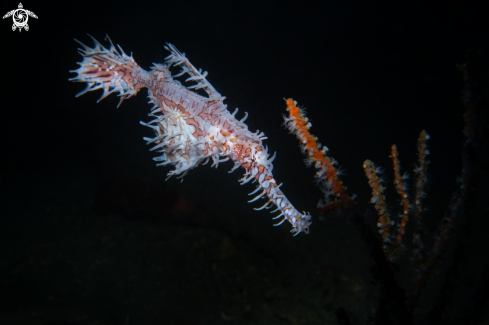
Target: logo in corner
[[20, 17]]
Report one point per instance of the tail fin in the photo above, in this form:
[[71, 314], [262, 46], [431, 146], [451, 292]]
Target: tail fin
[[107, 69]]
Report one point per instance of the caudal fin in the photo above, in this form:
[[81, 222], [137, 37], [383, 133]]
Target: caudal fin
[[107, 69]]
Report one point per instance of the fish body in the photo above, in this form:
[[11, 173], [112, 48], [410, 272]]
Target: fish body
[[190, 129]]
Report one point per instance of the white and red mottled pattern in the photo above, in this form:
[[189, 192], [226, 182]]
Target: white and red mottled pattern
[[189, 128]]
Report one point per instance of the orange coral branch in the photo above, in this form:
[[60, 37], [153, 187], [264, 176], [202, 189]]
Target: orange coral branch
[[378, 198], [421, 171], [401, 188], [419, 253], [326, 175]]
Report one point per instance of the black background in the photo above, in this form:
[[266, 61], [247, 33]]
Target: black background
[[90, 231]]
